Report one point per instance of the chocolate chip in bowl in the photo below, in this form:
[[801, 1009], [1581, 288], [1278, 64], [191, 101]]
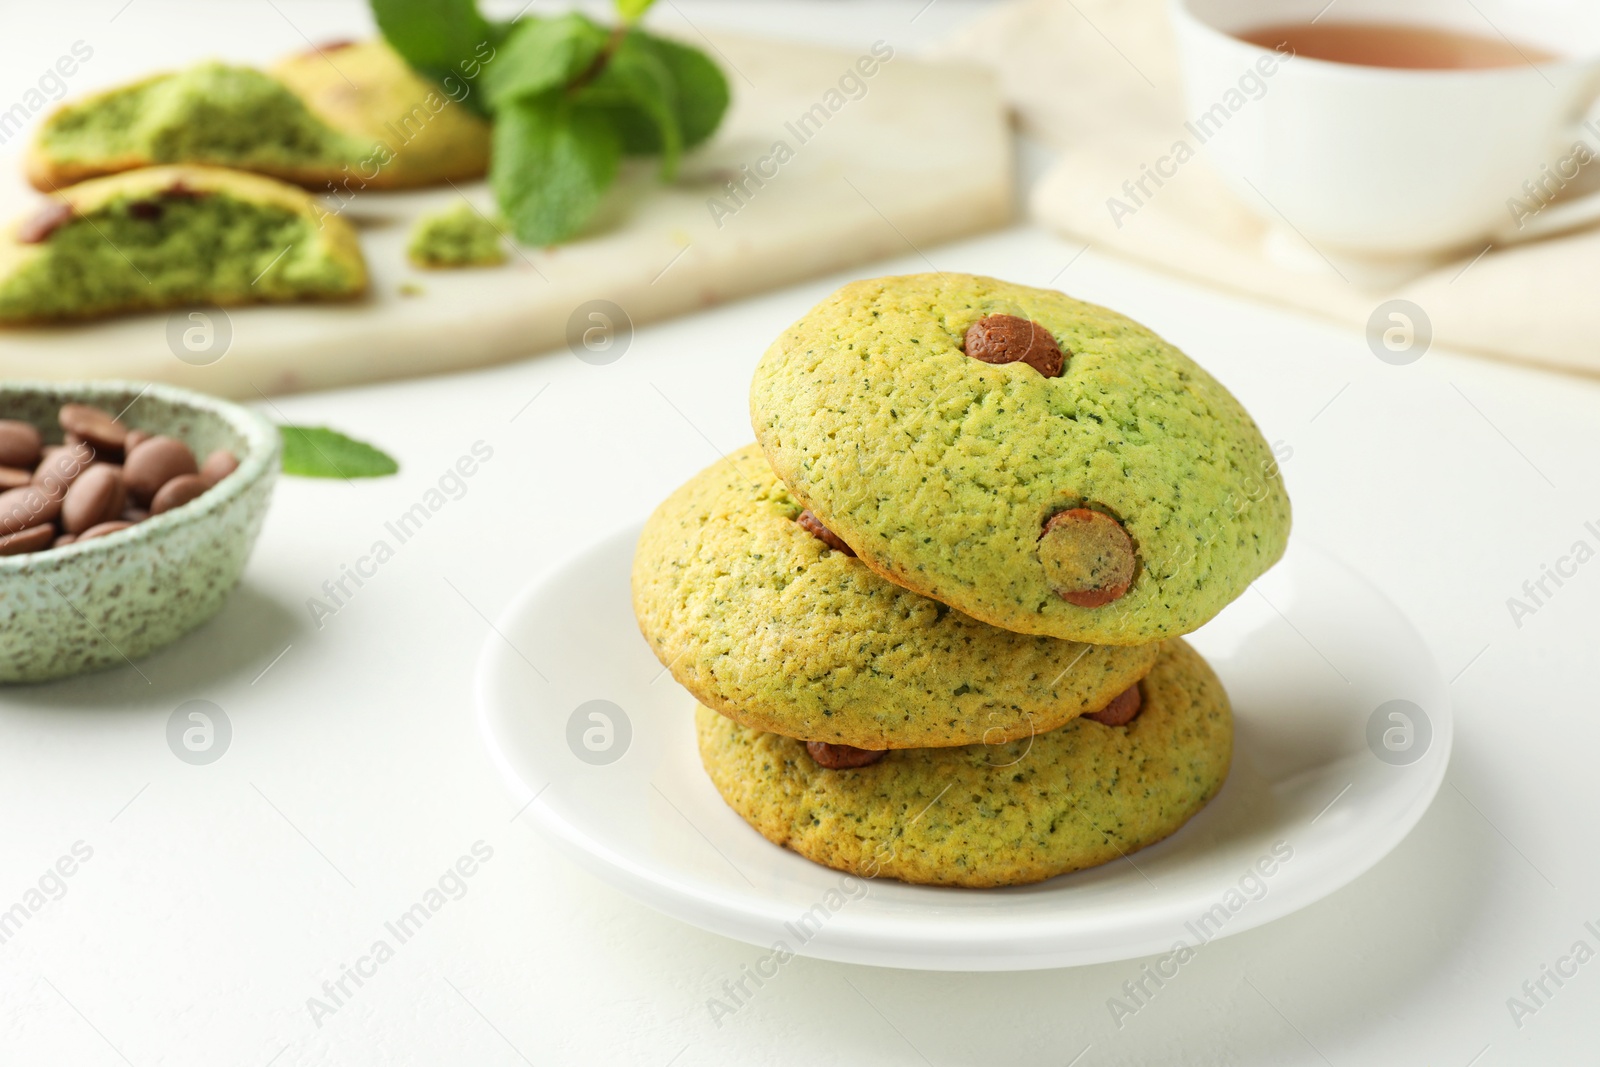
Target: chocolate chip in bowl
[[155, 463], [117, 544], [21, 445], [103, 476]]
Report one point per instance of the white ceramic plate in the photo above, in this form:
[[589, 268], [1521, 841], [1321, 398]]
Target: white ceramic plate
[[578, 714]]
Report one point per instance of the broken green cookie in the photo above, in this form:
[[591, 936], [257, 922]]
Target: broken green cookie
[[170, 236], [458, 237], [212, 114]]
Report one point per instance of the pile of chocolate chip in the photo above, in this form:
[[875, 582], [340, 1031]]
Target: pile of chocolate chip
[[102, 478]]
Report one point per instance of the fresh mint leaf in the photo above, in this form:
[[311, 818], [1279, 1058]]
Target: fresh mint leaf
[[568, 95], [638, 92], [633, 10], [438, 38], [551, 161], [543, 54], [318, 452], [702, 95]]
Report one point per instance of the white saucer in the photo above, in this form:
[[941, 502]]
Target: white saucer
[[1308, 657]]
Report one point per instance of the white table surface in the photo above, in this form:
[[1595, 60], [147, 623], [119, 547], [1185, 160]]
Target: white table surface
[[219, 898]]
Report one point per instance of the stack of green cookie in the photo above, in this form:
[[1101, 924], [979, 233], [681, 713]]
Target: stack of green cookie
[[933, 618]]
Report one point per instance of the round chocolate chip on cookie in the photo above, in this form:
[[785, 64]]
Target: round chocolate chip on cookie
[[1088, 556], [814, 527], [1122, 710], [843, 757], [1009, 339]]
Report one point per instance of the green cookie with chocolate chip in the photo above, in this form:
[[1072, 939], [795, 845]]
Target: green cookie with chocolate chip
[[1039, 463], [164, 237], [990, 815], [350, 115], [757, 613]]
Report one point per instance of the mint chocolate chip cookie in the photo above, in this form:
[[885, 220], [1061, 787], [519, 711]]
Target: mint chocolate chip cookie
[[212, 113], [990, 815], [424, 133], [762, 616], [1039, 463], [168, 236], [351, 116]]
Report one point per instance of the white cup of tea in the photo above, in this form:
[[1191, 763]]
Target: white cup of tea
[[1487, 114]]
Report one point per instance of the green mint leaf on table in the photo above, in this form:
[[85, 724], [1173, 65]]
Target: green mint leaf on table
[[636, 90], [633, 10], [439, 38], [543, 54], [318, 452], [551, 160]]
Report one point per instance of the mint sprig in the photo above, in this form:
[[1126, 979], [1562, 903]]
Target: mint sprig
[[569, 97]]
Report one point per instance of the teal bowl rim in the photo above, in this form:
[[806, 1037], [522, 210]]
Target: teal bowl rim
[[260, 460]]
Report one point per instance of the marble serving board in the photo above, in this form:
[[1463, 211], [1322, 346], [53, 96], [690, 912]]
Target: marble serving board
[[847, 169]]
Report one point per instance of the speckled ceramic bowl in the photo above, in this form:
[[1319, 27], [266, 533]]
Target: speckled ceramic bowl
[[109, 601]]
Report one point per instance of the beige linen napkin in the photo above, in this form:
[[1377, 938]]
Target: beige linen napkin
[[1098, 79]]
